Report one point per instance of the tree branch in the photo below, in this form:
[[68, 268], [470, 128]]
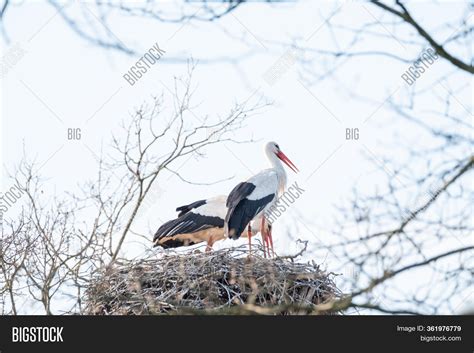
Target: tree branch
[[406, 16]]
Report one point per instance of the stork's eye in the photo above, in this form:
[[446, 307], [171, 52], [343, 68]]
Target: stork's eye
[[277, 146]]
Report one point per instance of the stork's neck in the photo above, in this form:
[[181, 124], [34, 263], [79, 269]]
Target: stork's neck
[[277, 165]]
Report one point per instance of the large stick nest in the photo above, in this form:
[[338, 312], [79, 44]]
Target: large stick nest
[[220, 282]]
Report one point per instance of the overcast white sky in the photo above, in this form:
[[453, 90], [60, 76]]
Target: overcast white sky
[[62, 81]]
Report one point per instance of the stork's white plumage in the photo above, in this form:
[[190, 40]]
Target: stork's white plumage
[[250, 200]]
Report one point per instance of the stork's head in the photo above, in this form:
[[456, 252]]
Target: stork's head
[[272, 148]]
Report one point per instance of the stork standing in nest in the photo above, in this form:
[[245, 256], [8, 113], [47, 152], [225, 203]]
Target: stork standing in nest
[[200, 221], [249, 200]]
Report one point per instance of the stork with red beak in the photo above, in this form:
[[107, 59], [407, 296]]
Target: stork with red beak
[[251, 199]]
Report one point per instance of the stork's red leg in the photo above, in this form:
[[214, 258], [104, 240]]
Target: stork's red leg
[[270, 238], [264, 237], [267, 237], [249, 234], [209, 245]]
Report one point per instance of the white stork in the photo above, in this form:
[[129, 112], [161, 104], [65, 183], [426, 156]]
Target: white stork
[[200, 221], [250, 200]]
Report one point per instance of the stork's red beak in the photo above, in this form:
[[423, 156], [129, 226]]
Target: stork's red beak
[[287, 161]]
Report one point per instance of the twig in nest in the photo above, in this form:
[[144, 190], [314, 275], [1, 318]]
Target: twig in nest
[[298, 254]]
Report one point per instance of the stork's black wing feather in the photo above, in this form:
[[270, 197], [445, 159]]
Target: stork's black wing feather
[[186, 208], [241, 210], [188, 223], [241, 191]]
